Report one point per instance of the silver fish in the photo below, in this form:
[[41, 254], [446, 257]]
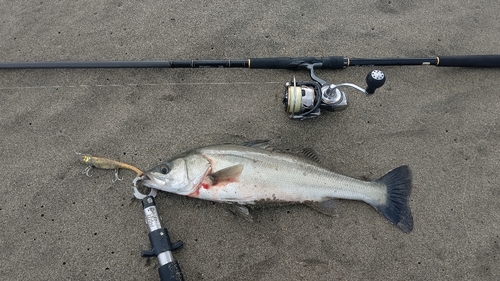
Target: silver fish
[[251, 175]]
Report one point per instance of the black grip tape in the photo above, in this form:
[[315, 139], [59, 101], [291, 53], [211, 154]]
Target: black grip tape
[[470, 61], [334, 63], [297, 63], [170, 272]]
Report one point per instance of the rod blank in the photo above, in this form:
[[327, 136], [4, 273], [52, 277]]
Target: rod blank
[[335, 62]]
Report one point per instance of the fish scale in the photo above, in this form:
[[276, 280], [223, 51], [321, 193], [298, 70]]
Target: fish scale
[[296, 180], [252, 175]]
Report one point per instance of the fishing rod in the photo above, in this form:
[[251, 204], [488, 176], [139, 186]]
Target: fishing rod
[[335, 62], [303, 100]]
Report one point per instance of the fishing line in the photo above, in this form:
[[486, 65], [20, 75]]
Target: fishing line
[[134, 85], [302, 100], [87, 170], [71, 142]]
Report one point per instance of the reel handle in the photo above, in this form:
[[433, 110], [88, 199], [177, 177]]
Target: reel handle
[[374, 80]]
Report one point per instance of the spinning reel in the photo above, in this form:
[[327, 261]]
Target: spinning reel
[[305, 100]]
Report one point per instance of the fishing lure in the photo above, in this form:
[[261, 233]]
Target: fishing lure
[[106, 164]]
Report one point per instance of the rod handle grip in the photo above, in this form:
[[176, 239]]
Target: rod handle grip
[[470, 61]]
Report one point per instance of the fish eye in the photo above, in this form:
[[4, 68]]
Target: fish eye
[[164, 169]]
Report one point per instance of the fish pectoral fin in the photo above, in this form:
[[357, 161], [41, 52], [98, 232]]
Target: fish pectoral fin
[[327, 207], [240, 211], [227, 174]]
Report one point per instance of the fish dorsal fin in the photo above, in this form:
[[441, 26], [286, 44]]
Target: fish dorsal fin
[[261, 144], [310, 154], [227, 174]]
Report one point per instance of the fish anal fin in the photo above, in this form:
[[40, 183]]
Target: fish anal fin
[[327, 207], [261, 144], [310, 154], [229, 174], [240, 211]]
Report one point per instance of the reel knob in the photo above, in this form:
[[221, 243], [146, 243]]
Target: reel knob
[[374, 80]]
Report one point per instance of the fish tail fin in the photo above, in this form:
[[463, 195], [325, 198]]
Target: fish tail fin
[[396, 208]]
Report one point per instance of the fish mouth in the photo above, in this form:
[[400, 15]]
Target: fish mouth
[[147, 181]]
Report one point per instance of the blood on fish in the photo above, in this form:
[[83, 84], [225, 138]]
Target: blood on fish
[[218, 180], [205, 184], [210, 183]]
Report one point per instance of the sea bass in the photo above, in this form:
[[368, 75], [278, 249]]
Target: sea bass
[[250, 175]]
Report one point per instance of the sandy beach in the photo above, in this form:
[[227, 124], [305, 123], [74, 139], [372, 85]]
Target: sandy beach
[[59, 224]]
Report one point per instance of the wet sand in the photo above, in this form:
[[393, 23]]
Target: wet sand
[[59, 224]]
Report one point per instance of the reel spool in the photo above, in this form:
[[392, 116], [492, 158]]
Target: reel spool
[[305, 100], [301, 98]]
